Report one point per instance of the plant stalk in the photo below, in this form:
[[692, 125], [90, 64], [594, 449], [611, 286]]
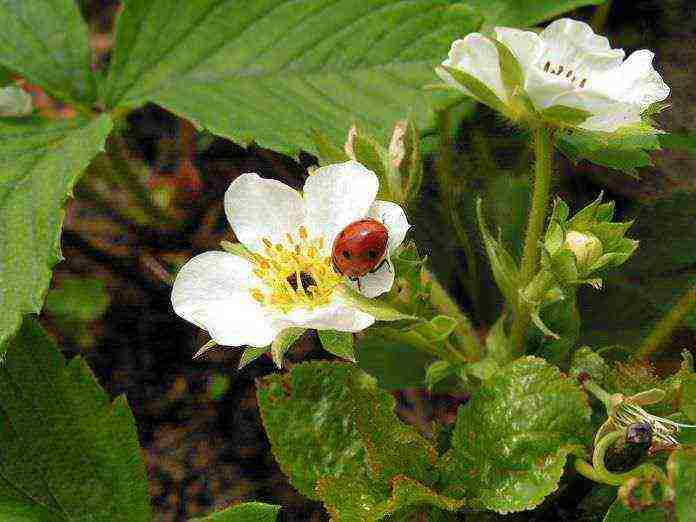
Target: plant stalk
[[664, 328], [543, 170], [464, 335]]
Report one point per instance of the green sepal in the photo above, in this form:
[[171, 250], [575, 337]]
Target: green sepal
[[374, 156], [561, 115], [237, 249], [338, 343], [504, 266], [251, 353], [378, 309], [283, 342], [510, 70], [479, 90]]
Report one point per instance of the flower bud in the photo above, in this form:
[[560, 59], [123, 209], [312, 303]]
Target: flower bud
[[586, 247]]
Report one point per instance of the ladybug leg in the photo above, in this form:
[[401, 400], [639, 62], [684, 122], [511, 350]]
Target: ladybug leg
[[378, 267], [357, 280]]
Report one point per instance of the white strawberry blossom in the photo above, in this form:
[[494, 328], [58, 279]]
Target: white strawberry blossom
[[567, 64], [288, 280]]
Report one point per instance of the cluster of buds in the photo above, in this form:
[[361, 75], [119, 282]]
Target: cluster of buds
[[577, 250]]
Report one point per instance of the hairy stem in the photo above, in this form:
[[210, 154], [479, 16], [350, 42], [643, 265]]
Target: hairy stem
[[464, 335], [543, 169], [617, 479], [663, 329]]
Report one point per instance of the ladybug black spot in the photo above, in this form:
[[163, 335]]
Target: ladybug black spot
[[346, 254], [372, 254]]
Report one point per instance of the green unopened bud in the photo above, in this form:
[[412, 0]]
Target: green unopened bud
[[586, 247]]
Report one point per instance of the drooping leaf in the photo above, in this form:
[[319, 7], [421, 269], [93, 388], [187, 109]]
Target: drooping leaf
[[687, 404], [511, 439], [329, 420], [247, 512], [685, 142], [338, 343], [39, 164], [682, 474], [273, 70], [623, 152], [46, 41], [66, 451]]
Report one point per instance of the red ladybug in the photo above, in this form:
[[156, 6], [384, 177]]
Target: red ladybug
[[360, 248]]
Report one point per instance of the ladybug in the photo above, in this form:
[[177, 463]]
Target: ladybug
[[360, 248]]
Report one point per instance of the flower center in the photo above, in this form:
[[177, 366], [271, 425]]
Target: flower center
[[294, 273], [565, 72]]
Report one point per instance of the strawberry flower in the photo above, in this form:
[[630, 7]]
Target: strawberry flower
[[566, 66], [285, 278]]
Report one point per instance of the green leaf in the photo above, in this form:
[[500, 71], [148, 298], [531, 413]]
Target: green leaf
[[247, 512], [66, 451], [273, 70], [478, 89], [327, 152], [516, 13], [15, 102], [46, 41], [329, 420], [338, 343], [388, 355], [565, 115], [39, 164], [511, 439], [625, 152], [362, 503], [682, 474], [618, 512], [283, 342]]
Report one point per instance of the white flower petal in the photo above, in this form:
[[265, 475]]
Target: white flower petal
[[212, 291], [337, 315], [525, 45], [475, 55], [620, 115], [376, 283], [393, 217], [544, 89], [337, 195], [566, 33], [258, 208], [635, 81]]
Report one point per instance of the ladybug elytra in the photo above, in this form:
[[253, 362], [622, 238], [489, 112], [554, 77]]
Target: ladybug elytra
[[360, 248]]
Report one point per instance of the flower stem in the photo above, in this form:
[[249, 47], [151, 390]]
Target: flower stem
[[663, 329], [543, 169], [602, 395], [464, 335]]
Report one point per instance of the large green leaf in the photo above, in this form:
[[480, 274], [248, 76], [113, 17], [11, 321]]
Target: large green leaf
[[66, 451], [523, 13], [247, 512], [329, 420], [39, 164], [273, 70], [511, 439], [46, 41]]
